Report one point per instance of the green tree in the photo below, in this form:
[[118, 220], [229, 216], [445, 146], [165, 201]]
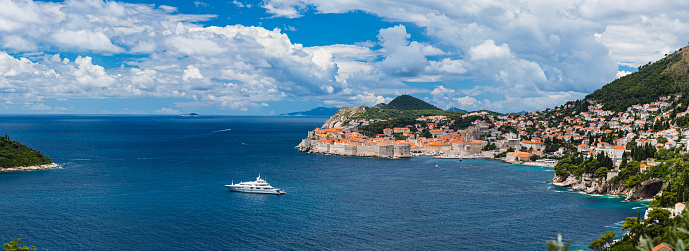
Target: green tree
[[633, 225], [608, 238], [489, 147], [592, 166], [18, 245], [596, 245], [662, 140], [657, 220], [533, 157], [602, 172], [675, 236], [399, 136], [633, 181], [603, 242]]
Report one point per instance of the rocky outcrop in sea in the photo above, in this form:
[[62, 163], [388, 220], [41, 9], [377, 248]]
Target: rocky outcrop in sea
[[646, 190]]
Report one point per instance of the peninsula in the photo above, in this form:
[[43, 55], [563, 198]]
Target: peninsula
[[17, 157]]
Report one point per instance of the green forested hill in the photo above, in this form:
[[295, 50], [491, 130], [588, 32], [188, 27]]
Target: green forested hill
[[375, 113], [669, 75], [455, 109], [403, 106], [406, 102], [14, 154]]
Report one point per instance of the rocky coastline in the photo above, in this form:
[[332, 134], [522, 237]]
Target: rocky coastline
[[30, 168], [647, 190]]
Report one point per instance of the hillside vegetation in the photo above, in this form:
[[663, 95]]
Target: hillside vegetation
[[455, 109], [375, 113], [14, 154], [402, 107], [406, 102], [669, 75]]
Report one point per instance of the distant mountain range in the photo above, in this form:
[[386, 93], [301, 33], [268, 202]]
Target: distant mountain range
[[315, 112]]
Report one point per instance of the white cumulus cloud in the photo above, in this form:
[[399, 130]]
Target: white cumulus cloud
[[166, 110], [85, 40], [623, 73], [191, 73], [535, 47], [524, 54], [488, 50]]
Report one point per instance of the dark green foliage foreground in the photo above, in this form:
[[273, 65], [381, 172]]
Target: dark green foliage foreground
[[643, 235], [18, 245], [558, 245], [603, 242], [14, 154], [658, 228]]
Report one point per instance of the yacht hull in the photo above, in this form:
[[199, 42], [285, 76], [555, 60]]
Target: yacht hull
[[248, 190]]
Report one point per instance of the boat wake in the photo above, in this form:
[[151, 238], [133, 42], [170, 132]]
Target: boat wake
[[205, 134], [223, 130], [556, 191], [615, 225]]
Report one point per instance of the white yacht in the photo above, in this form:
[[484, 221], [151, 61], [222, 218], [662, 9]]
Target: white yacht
[[258, 186]]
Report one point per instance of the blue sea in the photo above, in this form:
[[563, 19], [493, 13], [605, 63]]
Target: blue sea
[[157, 183]]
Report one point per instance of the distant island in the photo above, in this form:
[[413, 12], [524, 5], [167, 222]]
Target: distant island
[[17, 157], [316, 112], [190, 115], [629, 138]]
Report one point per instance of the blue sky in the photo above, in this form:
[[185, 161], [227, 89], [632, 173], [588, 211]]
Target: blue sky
[[277, 56]]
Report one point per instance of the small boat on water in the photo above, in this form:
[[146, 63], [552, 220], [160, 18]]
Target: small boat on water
[[448, 156], [258, 186]]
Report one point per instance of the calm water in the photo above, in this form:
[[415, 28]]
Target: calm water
[[156, 182]]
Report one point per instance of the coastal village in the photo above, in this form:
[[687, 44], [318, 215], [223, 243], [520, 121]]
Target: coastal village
[[639, 153], [525, 138]]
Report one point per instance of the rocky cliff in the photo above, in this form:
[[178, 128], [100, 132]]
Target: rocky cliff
[[646, 190], [342, 115]]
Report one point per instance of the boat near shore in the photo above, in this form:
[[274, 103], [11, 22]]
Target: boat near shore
[[542, 163], [258, 186], [449, 156], [455, 156]]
